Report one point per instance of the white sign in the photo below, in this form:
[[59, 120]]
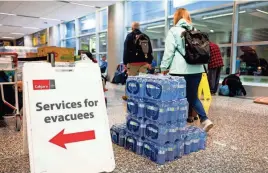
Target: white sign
[[67, 122]]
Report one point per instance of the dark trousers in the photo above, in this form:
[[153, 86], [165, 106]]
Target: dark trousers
[[214, 79]]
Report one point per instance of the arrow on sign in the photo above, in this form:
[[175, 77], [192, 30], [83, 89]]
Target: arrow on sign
[[61, 139]]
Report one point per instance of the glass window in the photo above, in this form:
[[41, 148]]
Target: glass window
[[252, 61], [226, 56], [145, 10], [253, 19], [103, 42], [103, 20], [193, 5], [88, 24], [156, 32], [71, 43], [84, 43], [218, 24], [88, 43], [70, 29]]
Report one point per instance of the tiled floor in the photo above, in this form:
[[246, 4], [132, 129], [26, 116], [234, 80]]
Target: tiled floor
[[237, 144]]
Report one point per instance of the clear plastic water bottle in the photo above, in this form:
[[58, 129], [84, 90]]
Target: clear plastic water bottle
[[181, 130], [141, 108], [165, 89], [202, 140], [183, 109], [170, 151], [172, 111], [187, 144], [172, 132], [182, 87], [195, 140], [174, 88], [139, 149], [160, 155], [140, 80], [131, 142]]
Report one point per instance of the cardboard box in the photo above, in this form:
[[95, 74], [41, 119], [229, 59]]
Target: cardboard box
[[62, 54], [31, 55]]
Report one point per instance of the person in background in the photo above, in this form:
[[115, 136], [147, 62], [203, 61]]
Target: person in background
[[251, 59], [214, 67], [134, 59], [153, 66], [174, 63], [103, 64], [235, 85]]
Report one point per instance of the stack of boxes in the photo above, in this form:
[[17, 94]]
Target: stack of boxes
[[156, 125]]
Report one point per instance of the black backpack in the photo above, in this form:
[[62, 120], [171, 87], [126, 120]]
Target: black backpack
[[197, 47], [142, 44]]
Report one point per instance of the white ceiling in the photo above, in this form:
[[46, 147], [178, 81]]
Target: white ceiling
[[46, 9]]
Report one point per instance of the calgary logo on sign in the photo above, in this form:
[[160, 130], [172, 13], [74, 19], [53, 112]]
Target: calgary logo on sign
[[44, 84]]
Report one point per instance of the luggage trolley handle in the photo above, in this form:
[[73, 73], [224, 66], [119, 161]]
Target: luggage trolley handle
[[15, 63]]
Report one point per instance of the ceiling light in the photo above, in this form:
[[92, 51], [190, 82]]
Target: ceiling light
[[157, 26], [157, 32], [262, 11], [85, 5], [26, 27], [216, 16], [17, 33], [212, 30], [8, 37], [44, 18], [9, 14], [221, 15]]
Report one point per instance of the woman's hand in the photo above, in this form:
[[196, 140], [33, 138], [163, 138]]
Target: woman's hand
[[165, 72]]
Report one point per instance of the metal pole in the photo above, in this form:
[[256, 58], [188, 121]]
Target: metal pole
[[234, 38]]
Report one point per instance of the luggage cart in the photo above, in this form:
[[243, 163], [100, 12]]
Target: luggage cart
[[11, 64]]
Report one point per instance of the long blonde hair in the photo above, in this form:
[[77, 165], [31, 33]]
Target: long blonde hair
[[182, 13]]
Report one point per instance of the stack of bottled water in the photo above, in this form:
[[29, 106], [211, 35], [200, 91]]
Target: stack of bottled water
[[156, 125]]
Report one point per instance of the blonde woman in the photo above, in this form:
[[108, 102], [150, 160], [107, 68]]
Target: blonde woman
[[174, 63]]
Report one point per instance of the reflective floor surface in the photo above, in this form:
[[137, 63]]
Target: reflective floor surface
[[237, 144]]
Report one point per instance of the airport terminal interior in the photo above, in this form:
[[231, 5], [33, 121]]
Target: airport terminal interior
[[31, 31]]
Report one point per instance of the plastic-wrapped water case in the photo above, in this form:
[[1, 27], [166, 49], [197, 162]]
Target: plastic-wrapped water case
[[156, 111], [135, 126], [156, 133], [136, 107], [154, 152], [131, 142], [118, 134]]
